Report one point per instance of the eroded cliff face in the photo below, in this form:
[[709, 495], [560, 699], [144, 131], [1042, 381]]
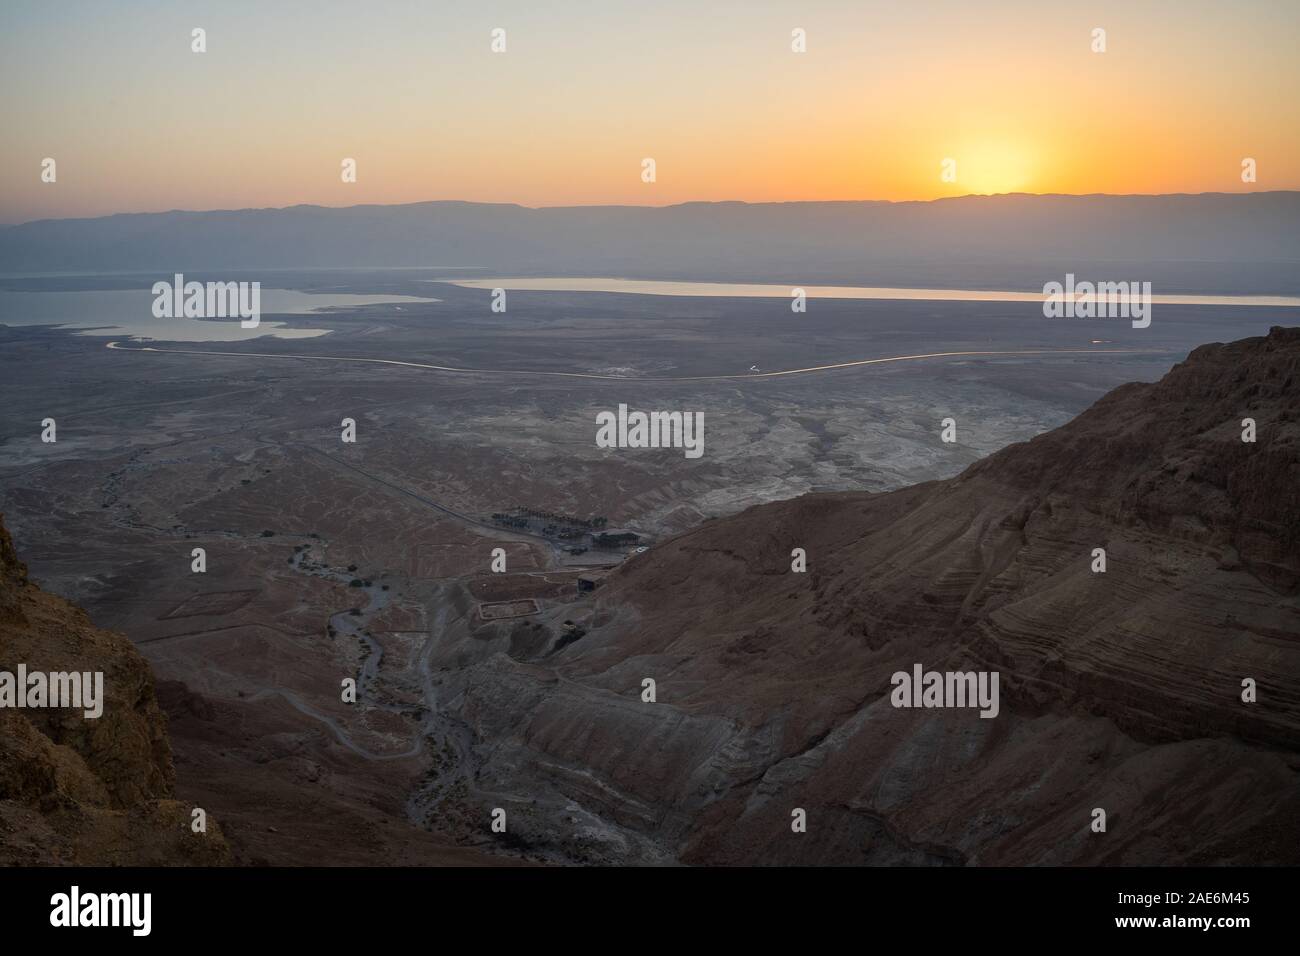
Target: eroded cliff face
[[85, 790], [1120, 690]]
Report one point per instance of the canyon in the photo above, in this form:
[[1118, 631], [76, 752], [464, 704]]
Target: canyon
[[1121, 690]]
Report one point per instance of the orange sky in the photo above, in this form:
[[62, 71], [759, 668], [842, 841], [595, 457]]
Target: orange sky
[[885, 92]]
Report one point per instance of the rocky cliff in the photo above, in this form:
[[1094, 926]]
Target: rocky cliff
[[1121, 689], [81, 790]]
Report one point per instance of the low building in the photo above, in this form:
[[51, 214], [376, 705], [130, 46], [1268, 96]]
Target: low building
[[615, 538]]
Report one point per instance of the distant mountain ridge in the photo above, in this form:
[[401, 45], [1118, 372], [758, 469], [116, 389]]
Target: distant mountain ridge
[[1207, 243]]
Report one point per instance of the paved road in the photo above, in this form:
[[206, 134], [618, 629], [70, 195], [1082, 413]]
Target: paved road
[[621, 378]]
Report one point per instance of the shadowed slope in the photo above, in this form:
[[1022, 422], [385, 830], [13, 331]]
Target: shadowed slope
[[1119, 690], [77, 790]]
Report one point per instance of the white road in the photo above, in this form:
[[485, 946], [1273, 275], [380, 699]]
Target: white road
[[622, 378]]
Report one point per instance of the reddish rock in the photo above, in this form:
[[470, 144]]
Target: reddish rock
[[1119, 690]]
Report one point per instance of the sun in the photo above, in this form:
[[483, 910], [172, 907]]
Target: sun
[[996, 167]]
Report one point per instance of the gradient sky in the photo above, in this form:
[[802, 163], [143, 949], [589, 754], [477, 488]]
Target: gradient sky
[[886, 91]]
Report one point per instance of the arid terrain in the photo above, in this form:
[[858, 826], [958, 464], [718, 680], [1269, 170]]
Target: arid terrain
[[75, 790], [1121, 690], [520, 689]]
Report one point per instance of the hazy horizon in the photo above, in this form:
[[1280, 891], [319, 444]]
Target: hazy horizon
[[668, 205], [1209, 244]]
